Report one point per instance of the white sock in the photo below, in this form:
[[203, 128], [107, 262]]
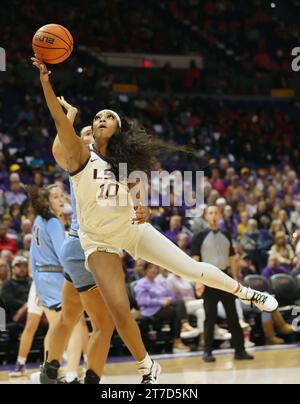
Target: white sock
[[21, 360], [146, 363], [85, 359], [70, 376]]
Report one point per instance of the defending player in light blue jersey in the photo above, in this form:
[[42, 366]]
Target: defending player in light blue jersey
[[48, 237], [47, 269]]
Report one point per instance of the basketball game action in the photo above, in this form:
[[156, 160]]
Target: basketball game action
[[109, 274]]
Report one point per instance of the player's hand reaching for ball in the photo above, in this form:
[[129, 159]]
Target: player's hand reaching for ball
[[44, 72]]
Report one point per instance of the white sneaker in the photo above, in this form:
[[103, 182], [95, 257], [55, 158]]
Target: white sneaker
[[249, 344], [187, 331], [244, 326], [225, 345], [19, 371], [35, 378], [150, 376], [263, 301], [179, 347], [222, 335]]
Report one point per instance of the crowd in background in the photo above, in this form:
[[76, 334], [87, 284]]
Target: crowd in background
[[248, 150]]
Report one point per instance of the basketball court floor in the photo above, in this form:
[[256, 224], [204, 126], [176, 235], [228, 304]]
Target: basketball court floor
[[275, 365]]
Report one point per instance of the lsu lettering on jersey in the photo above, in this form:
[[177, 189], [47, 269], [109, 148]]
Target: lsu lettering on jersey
[[104, 206]]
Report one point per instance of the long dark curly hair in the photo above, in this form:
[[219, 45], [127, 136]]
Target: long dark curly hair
[[39, 198], [134, 145]]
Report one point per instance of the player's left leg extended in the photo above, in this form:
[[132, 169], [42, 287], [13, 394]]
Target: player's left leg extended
[[157, 249]]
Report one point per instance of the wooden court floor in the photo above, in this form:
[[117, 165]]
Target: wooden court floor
[[280, 366]]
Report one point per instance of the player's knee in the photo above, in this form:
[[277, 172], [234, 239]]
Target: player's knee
[[68, 320], [103, 325]]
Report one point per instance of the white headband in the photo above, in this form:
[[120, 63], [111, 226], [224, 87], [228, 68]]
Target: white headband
[[113, 113]]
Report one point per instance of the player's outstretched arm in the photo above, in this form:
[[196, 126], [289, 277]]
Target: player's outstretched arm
[[76, 152]]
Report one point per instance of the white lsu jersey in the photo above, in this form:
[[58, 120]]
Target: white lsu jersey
[[104, 206]]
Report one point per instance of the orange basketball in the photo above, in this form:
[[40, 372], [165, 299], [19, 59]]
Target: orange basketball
[[52, 43]]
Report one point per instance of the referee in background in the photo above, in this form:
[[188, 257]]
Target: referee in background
[[215, 247]]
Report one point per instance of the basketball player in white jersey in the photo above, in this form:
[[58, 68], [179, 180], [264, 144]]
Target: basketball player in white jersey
[[79, 290], [105, 229]]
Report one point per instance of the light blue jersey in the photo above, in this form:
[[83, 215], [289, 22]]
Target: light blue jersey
[[47, 239], [74, 225], [72, 255]]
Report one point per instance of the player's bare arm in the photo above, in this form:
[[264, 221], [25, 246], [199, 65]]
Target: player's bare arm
[[76, 153]]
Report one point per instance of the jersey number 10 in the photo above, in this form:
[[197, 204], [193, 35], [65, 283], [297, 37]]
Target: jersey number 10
[[108, 190]]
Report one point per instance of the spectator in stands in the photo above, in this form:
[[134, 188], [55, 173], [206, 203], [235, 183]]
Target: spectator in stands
[[183, 242], [295, 240], [229, 223], [273, 267], [251, 205], [3, 172], [2, 201], [154, 300], [199, 223], [287, 223], [174, 228], [254, 245], [26, 227], [235, 191], [15, 290], [7, 256], [4, 272], [26, 243], [15, 213], [243, 223], [216, 182], [38, 178], [221, 203], [296, 269], [295, 215], [282, 250], [276, 226], [7, 221], [263, 216], [7, 243], [14, 295], [270, 321], [138, 270], [15, 193], [213, 197], [246, 178], [246, 266], [230, 174], [28, 216], [193, 77], [163, 276]]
